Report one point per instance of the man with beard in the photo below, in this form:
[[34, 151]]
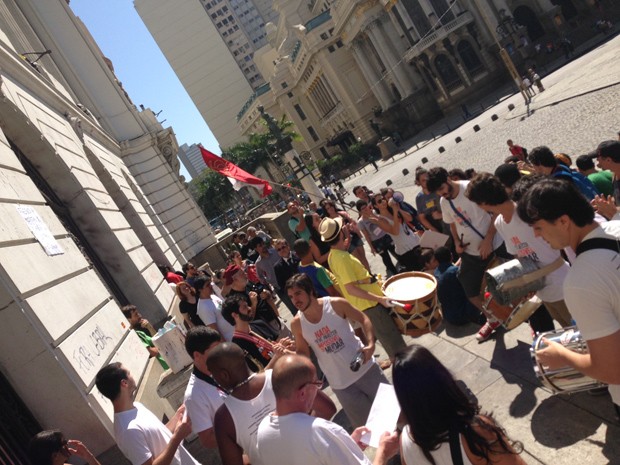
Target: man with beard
[[142, 438], [474, 237], [260, 352], [322, 325]]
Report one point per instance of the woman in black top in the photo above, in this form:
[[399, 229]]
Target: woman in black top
[[188, 304]]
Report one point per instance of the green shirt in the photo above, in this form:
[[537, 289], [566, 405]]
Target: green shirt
[[603, 181]]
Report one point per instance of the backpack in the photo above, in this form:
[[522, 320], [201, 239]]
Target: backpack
[[585, 186]]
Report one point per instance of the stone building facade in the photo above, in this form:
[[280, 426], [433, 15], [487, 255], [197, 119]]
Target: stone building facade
[[91, 202], [339, 68]]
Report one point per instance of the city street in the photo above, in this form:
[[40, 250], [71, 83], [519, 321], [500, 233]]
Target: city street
[[579, 108]]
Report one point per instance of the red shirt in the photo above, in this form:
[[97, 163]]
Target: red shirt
[[517, 151]]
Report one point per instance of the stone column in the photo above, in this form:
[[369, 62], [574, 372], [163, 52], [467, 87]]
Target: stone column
[[373, 78], [379, 40]]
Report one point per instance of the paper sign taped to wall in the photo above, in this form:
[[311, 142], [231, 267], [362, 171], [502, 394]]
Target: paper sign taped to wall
[[40, 230]]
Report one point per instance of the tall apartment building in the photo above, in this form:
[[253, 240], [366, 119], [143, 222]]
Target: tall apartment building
[[191, 158], [210, 44]]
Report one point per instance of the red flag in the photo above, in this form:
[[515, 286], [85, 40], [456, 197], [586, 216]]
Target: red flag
[[231, 170]]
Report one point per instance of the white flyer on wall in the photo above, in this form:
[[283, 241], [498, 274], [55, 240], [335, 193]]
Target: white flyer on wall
[[40, 230]]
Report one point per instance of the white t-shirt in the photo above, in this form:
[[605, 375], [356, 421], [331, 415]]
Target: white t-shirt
[[412, 453], [299, 439], [140, 435], [210, 312], [201, 402], [480, 219], [592, 292], [521, 242]]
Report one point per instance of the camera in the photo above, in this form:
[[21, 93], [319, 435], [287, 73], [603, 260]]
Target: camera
[[357, 361]]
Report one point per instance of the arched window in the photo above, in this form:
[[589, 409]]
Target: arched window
[[447, 72], [526, 17], [470, 58]]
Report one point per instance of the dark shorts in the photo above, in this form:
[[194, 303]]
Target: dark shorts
[[471, 273], [382, 244], [356, 241]]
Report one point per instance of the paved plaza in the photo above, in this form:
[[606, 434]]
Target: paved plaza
[[579, 108]]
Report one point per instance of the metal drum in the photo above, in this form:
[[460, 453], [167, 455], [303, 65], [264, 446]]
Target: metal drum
[[414, 294], [565, 379], [502, 280], [511, 315]]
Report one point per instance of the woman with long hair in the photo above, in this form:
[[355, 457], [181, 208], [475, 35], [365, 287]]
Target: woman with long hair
[[394, 221], [438, 412], [356, 246], [51, 448], [319, 249], [188, 304]]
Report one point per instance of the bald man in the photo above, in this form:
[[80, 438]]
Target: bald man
[[289, 435], [250, 399]]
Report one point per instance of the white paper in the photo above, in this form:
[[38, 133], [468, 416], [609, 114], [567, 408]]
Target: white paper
[[383, 415], [433, 239], [40, 230]]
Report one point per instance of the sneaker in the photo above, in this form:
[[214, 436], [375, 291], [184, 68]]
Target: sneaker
[[486, 331]]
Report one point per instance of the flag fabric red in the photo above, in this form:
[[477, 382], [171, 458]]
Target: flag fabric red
[[231, 170]]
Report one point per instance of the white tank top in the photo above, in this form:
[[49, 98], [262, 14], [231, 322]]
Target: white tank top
[[335, 344], [405, 240], [247, 415], [412, 453]]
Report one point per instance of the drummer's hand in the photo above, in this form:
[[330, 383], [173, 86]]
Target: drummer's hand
[[486, 247], [552, 356], [459, 248], [386, 302]]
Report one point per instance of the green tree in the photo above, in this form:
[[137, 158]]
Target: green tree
[[213, 193]]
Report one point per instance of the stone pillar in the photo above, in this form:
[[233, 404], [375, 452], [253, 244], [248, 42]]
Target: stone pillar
[[371, 75], [379, 40], [306, 180]]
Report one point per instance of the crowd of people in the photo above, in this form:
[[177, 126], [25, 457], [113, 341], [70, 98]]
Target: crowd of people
[[255, 389]]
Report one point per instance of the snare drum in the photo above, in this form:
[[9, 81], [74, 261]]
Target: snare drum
[[565, 379], [417, 310]]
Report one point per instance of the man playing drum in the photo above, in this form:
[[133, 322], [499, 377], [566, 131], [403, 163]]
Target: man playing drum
[[489, 193], [360, 288], [564, 218], [474, 237]]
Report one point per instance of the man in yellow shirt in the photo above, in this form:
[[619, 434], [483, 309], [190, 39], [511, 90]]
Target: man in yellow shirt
[[359, 287]]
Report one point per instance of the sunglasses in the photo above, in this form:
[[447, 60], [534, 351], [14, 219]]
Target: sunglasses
[[284, 247]]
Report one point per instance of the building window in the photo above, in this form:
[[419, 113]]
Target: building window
[[447, 72], [324, 36], [469, 58], [324, 152], [313, 134], [299, 111]]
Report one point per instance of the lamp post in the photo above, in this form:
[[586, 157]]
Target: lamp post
[[504, 55]]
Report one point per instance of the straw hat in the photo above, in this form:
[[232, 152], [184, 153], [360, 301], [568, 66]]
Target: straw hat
[[330, 228]]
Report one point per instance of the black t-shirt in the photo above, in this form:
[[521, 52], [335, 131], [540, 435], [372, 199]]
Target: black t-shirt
[[191, 310]]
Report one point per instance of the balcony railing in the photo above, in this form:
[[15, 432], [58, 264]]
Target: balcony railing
[[438, 34]]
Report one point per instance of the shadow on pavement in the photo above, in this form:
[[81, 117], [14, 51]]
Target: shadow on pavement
[[515, 366]]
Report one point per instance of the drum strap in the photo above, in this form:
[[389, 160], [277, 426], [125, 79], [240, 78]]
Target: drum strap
[[455, 446], [531, 277], [465, 220], [598, 243]]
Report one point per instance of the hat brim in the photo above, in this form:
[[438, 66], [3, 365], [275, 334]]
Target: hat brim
[[329, 236]]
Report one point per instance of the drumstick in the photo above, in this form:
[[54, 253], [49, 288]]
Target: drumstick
[[406, 307], [461, 242]]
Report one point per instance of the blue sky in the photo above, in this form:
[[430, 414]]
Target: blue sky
[[143, 69]]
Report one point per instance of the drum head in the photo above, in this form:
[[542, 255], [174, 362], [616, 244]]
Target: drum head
[[409, 287]]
